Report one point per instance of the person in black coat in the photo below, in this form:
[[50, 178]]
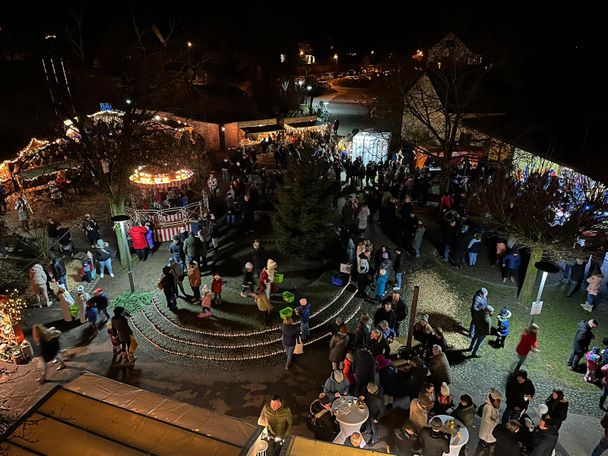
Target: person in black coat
[[582, 339], [544, 439], [400, 309], [507, 439], [558, 408], [577, 274], [375, 404], [519, 392], [378, 344], [259, 257], [386, 313], [461, 245], [364, 367]]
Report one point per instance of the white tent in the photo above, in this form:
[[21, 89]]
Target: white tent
[[371, 146]]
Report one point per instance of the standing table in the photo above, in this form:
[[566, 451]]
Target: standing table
[[350, 413], [456, 442]]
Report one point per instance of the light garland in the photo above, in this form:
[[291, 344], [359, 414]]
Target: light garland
[[273, 353], [11, 305]]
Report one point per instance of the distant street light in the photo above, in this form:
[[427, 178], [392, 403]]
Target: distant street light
[[372, 53], [189, 44], [309, 88], [336, 59], [128, 101]]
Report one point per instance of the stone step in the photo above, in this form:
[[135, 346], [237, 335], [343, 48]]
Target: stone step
[[205, 350]]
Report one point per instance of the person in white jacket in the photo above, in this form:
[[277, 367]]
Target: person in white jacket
[[489, 419], [81, 302], [38, 279], [65, 300]]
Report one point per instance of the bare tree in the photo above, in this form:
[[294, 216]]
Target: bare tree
[[545, 214]]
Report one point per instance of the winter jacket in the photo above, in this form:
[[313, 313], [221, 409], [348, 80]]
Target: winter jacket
[[489, 419], [419, 416], [379, 347], [337, 347], [332, 387], [433, 443], [527, 342], [177, 271], [138, 236], [121, 326], [290, 334], [398, 263], [65, 301], [483, 323], [558, 410], [479, 302], [362, 217], [462, 242], [103, 254], [375, 404], [193, 247], [216, 285], [177, 250], [194, 275], [100, 301], [259, 258], [57, 268], [381, 284], [440, 369], [364, 367], [390, 317], [304, 313], [503, 328], [507, 442], [278, 422], [474, 245], [363, 264], [595, 282], [577, 272], [348, 371], [418, 237], [400, 309], [511, 261], [543, 442], [583, 337], [516, 391], [37, 275], [465, 414], [263, 303]]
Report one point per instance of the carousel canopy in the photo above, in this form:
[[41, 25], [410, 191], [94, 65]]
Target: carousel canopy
[[151, 177]]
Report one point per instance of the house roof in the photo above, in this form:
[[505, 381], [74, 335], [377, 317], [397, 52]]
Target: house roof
[[572, 139]]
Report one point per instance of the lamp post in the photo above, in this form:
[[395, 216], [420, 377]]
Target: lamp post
[[120, 228], [336, 59], [546, 268]]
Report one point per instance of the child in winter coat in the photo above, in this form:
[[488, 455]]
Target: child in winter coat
[[206, 303], [502, 330], [216, 288], [593, 362], [247, 289]]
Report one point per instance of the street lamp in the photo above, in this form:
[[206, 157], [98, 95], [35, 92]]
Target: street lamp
[[336, 59], [128, 101], [189, 44], [120, 228], [546, 268], [309, 88]]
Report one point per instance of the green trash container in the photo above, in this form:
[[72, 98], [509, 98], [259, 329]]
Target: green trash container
[[278, 278], [286, 312], [288, 297]]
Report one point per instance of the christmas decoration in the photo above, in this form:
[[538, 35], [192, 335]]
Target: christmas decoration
[[11, 305]]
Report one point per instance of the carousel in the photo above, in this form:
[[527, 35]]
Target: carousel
[[164, 198]]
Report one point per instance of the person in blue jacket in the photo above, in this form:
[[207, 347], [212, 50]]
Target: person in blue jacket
[[510, 266], [381, 285], [503, 327]]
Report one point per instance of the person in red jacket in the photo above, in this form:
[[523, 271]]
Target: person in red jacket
[[527, 343], [140, 242], [348, 371], [216, 288]]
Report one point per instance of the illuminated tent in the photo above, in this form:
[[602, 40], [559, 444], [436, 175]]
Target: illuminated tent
[[149, 177]]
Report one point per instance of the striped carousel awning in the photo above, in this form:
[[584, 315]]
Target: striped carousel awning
[[145, 177]]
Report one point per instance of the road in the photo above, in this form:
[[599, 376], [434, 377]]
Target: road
[[349, 104]]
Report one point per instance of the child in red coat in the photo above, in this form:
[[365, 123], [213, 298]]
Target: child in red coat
[[206, 303], [216, 288]]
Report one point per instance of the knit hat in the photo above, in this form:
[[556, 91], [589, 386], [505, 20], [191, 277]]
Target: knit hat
[[424, 317], [445, 389], [484, 291], [98, 290], [542, 409], [436, 424], [495, 394], [338, 376], [80, 289], [372, 388], [504, 313], [100, 244]]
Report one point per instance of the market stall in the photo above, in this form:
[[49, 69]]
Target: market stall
[[254, 132], [163, 201]]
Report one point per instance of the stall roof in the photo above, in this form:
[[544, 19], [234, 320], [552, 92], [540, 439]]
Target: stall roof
[[310, 123], [262, 129], [102, 416], [51, 168]]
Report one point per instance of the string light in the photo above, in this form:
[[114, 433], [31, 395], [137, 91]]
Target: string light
[[236, 356], [11, 306]]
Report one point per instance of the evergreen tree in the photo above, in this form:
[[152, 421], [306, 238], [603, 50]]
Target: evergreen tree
[[302, 224]]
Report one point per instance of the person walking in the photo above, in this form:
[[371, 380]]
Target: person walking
[[176, 249], [483, 325], [290, 333], [418, 238], [38, 280], [259, 257], [575, 279], [140, 242], [276, 418], [480, 301], [473, 248], [582, 339], [101, 302], [48, 340], [528, 342], [489, 419], [595, 282], [510, 266], [120, 325], [169, 287], [58, 271], [303, 311]]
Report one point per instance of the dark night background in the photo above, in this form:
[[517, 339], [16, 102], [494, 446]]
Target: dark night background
[[552, 61]]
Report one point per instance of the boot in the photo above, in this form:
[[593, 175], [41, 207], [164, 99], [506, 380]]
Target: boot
[[131, 358]]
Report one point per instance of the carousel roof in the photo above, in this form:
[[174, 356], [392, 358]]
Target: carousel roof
[[149, 176]]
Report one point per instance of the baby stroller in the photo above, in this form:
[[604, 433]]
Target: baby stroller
[[65, 242], [320, 421]]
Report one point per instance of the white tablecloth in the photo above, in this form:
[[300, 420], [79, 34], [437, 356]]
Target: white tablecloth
[[456, 442], [349, 415]]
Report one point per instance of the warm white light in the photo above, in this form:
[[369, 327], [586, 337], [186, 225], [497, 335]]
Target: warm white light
[[309, 88], [189, 44], [223, 128], [156, 117], [372, 52], [336, 56], [128, 101]]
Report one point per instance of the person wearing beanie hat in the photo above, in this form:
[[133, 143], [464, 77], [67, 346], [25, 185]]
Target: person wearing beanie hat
[[432, 441], [489, 419], [336, 385], [502, 329], [81, 303]]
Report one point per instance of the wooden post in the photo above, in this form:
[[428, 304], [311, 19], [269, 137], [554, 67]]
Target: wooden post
[[410, 330]]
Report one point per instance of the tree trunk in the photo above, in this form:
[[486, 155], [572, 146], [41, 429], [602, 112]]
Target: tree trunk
[[117, 207], [526, 294]]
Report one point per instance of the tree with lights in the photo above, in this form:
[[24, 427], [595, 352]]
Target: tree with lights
[[11, 335], [304, 210], [545, 214]]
